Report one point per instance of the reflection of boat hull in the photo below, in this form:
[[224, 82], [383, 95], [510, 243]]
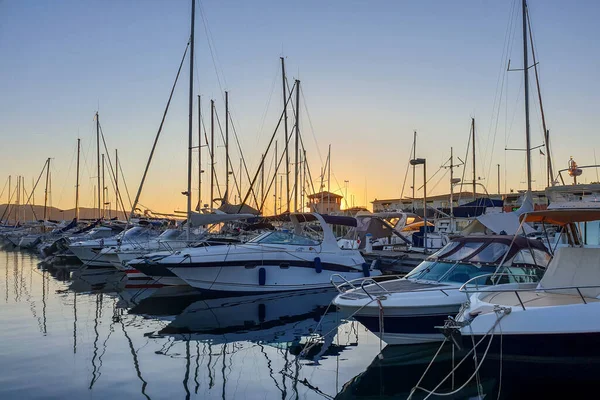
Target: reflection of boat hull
[[267, 318]]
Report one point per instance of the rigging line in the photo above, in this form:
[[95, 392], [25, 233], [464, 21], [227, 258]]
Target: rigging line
[[139, 192], [264, 115], [112, 172], [210, 154], [312, 129], [518, 102], [235, 181], [68, 174], [5, 184], [462, 179], [502, 73], [237, 141], [251, 188], [439, 181], [407, 169], [210, 44]]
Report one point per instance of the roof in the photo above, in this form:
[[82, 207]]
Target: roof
[[562, 216], [324, 194]]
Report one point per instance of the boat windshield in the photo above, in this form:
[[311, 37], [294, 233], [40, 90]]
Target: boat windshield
[[282, 237], [466, 250], [449, 271], [170, 234], [134, 232]]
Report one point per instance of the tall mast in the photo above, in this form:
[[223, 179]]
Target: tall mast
[[275, 190], [414, 155], [451, 186], [9, 195], [328, 170], [546, 132], [98, 160], [526, 84], [117, 200], [77, 182], [199, 153], [285, 124], [103, 189], [212, 151], [190, 123], [474, 169], [226, 147], [46, 191], [262, 182], [498, 178], [304, 167], [297, 140]]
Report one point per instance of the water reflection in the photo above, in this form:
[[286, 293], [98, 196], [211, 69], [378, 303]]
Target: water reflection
[[99, 337]]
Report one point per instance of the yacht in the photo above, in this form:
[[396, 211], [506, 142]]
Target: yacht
[[409, 308], [90, 251], [557, 316], [278, 260]]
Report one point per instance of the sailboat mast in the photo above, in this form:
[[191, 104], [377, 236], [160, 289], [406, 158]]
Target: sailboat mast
[[77, 182], [190, 122], [98, 161], [451, 187], [226, 147], [275, 190], [474, 165], [46, 191], [212, 151], [526, 84], [297, 141], [285, 124], [329, 170], [262, 182], [117, 200], [199, 153], [103, 189], [414, 155], [9, 195]]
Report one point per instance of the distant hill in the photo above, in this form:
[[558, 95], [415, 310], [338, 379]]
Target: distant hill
[[26, 213]]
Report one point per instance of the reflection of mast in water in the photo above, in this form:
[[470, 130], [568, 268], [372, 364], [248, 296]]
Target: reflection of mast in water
[[211, 380], [136, 363], [187, 369], [74, 322], [15, 276], [223, 371], [6, 278], [197, 368], [96, 322], [271, 372], [44, 301]]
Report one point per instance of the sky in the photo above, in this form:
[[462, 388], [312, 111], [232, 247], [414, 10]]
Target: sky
[[371, 73]]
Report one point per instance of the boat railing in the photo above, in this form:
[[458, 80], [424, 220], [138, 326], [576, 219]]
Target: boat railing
[[516, 291]]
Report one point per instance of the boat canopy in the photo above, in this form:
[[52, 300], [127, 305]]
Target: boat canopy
[[487, 249], [562, 216], [311, 217], [572, 267], [199, 219]]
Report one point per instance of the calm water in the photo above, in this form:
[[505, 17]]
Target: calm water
[[70, 334]]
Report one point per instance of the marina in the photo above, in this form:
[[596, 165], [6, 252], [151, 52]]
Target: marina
[[198, 258]]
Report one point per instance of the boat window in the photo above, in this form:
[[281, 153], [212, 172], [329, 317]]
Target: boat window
[[170, 234], [430, 270], [280, 237], [532, 257], [490, 253], [521, 275], [444, 250], [461, 273], [133, 232], [466, 250]]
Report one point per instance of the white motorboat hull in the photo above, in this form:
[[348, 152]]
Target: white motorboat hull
[[241, 279]]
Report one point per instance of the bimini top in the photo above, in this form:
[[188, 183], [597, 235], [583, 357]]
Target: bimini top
[[489, 249], [310, 217], [562, 216]]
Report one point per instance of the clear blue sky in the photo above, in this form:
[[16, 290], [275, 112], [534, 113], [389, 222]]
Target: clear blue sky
[[371, 73]]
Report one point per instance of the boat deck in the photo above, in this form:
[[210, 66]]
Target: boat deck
[[536, 299]]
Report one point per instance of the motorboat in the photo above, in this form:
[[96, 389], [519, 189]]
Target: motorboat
[[90, 251], [557, 317], [407, 310], [302, 258]]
